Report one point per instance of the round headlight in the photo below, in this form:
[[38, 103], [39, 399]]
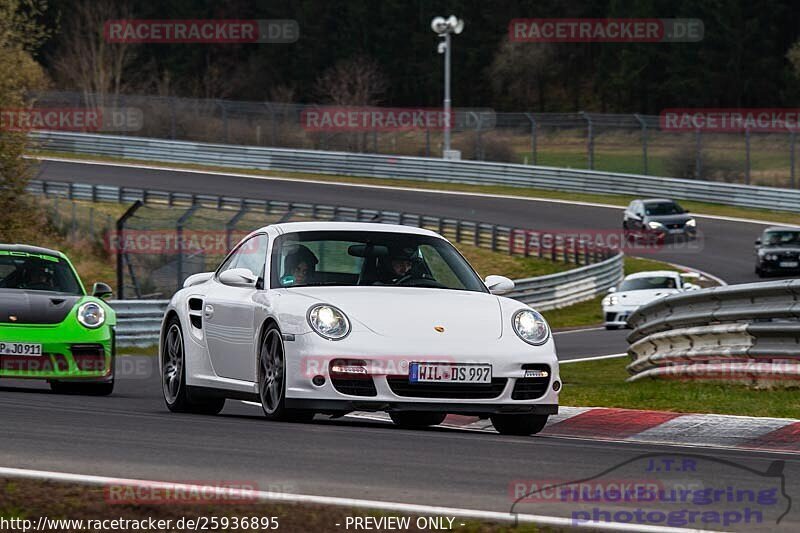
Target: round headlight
[[609, 300], [91, 315], [530, 326], [328, 322], [691, 222], [655, 225]]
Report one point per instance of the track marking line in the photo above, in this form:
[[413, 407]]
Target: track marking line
[[593, 358], [264, 496], [386, 187]]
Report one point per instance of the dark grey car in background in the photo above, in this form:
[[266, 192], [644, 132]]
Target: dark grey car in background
[[658, 218], [778, 251]]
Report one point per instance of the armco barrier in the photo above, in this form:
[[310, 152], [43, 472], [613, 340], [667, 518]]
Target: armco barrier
[[138, 321], [741, 333], [418, 168]]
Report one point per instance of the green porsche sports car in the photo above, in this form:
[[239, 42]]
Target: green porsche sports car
[[49, 327]]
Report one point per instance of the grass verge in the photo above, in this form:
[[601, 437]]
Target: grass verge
[[602, 384], [706, 208], [29, 500]]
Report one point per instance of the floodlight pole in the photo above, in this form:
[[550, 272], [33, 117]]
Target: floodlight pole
[[447, 117]]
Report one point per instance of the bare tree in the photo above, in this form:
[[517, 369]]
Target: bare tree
[[356, 81], [86, 60]]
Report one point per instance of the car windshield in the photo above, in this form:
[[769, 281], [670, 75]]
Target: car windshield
[[782, 238], [653, 282], [359, 258], [657, 209], [36, 272]]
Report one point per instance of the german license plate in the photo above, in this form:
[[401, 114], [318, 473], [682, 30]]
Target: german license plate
[[788, 264], [449, 373], [20, 348]]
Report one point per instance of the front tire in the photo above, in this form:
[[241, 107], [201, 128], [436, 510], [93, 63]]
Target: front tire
[[177, 395], [272, 379], [518, 424], [417, 419]]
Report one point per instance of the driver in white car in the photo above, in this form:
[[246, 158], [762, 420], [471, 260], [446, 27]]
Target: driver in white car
[[301, 265], [401, 262]]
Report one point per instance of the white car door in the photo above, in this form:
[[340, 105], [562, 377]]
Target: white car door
[[229, 313]]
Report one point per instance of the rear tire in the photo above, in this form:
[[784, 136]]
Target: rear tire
[[518, 424], [177, 395], [86, 389], [272, 379], [417, 419]]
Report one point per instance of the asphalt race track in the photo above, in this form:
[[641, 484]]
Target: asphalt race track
[[131, 434]]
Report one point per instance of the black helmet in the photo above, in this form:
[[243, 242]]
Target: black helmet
[[299, 254]]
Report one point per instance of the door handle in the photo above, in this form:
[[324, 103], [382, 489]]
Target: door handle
[[208, 312]]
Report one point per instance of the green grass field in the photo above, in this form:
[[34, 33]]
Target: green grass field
[[602, 384]]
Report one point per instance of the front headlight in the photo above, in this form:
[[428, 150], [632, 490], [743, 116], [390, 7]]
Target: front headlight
[[691, 223], [328, 322], [655, 225], [609, 301], [91, 315], [771, 257], [530, 326]]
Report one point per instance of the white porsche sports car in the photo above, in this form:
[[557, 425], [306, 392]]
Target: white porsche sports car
[[639, 289], [332, 317]]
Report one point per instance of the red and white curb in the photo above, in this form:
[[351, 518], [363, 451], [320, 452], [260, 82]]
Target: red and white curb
[[653, 427]]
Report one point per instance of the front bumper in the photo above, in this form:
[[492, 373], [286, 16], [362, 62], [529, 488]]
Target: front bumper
[[774, 266], [386, 386], [617, 315], [67, 356]]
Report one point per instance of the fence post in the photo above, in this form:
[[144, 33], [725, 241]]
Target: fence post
[[533, 137], [179, 241], [644, 141], [120, 244], [221, 103], [791, 157], [747, 156], [231, 224], [698, 163], [589, 139], [427, 142], [172, 119]]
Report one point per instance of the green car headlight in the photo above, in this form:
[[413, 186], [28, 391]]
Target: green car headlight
[[91, 315]]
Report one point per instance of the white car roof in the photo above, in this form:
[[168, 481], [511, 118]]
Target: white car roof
[[654, 274], [294, 227]]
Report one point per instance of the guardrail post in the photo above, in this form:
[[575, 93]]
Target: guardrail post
[[747, 156], [644, 141], [527, 251], [494, 238], [458, 230], [533, 137], [589, 140], [120, 243], [476, 237]]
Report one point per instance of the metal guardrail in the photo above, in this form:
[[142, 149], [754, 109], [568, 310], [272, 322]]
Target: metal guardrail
[[138, 321], [418, 168], [741, 333]]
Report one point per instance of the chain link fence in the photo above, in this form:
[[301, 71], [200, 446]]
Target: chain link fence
[[632, 143]]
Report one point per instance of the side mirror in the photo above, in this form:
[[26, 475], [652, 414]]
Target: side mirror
[[238, 277], [101, 290], [499, 284], [612, 289], [758, 242], [690, 287], [686, 211]]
